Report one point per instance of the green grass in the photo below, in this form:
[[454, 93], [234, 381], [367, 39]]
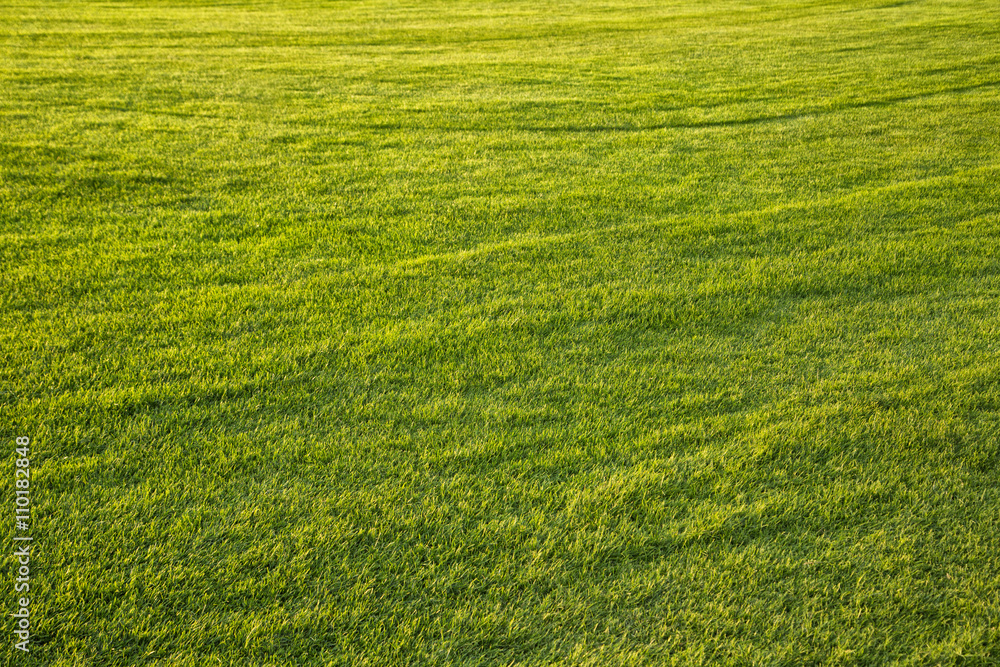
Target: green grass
[[504, 333]]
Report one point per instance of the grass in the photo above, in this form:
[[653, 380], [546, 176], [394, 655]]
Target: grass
[[520, 333]]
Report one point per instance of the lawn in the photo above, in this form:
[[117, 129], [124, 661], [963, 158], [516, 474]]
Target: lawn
[[503, 333]]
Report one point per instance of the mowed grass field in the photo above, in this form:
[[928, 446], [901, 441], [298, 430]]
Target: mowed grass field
[[503, 333]]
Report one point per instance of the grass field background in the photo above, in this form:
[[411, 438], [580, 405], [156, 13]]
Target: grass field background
[[504, 333]]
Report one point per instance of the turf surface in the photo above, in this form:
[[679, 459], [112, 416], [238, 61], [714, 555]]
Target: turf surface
[[504, 333]]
